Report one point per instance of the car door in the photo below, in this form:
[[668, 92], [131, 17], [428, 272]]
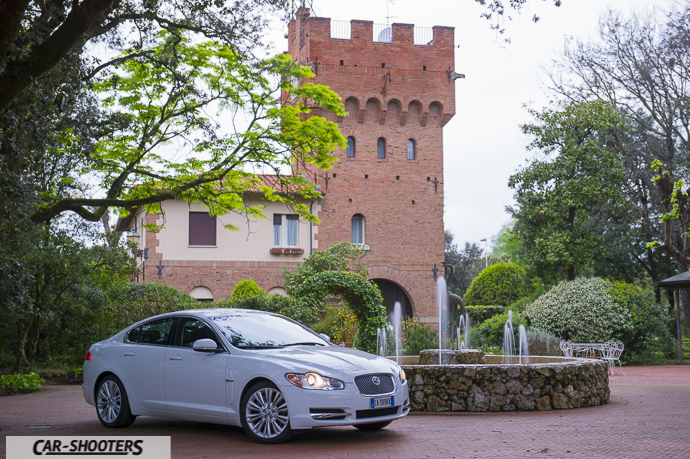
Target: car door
[[143, 361], [196, 383]]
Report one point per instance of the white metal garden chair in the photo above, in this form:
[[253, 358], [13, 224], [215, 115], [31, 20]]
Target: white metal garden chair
[[612, 354]]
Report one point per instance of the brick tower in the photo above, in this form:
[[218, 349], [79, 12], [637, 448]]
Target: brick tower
[[386, 189]]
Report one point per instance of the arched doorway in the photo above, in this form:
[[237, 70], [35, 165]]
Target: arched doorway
[[391, 293]]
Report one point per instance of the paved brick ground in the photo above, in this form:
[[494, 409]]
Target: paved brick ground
[[648, 417]]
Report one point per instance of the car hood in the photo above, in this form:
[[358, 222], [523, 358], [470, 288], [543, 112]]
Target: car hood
[[328, 360]]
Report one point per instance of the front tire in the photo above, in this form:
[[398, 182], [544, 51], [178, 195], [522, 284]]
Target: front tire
[[112, 404], [264, 414], [373, 426]]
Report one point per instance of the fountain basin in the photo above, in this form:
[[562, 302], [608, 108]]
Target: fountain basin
[[545, 383]]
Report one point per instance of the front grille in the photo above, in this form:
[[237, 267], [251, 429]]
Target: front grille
[[364, 414], [366, 384]]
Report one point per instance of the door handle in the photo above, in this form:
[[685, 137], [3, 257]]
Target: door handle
[[129, 353], [175, 357]]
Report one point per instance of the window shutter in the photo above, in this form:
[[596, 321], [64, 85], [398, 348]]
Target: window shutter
[[202, 229], [277, 219], [292, 217]]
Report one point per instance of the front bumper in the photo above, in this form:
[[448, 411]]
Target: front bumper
[[312, 408]]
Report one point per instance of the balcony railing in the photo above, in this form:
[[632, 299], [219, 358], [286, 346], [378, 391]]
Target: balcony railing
[[341, 30], [424, 36], [383, 33]]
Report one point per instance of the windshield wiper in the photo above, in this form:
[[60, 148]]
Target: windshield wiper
[[306, 343], [260, 347]]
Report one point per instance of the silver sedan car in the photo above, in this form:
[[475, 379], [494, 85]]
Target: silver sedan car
[[259, 370]]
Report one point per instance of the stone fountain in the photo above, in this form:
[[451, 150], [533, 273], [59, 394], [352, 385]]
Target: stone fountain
[[456, 380]]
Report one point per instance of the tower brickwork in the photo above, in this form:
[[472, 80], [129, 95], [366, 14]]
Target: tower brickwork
[[401, 92]]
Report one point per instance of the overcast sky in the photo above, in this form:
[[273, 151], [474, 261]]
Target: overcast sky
[[483, 144]]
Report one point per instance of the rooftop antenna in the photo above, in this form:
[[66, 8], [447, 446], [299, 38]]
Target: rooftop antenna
[[388, 16]]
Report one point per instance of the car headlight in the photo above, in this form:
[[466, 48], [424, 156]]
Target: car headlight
[[402, 376], [314, 381]]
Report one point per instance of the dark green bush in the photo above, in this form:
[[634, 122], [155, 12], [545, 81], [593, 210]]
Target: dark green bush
[[417, 336], [137, 301], [479, 314], [650, 339], [501, 284], [490, 332]]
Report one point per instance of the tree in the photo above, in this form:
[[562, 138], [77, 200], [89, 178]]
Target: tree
[[50, 312], [560, 196], [163, 95], [642, 66], [466, 263]]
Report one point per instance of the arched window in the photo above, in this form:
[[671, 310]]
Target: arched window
[[381, 148], [358, 229], [411, 149], [350, 147]]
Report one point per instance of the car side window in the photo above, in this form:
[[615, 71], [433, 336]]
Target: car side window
[[154, 332], [133, 335], [190, 330]]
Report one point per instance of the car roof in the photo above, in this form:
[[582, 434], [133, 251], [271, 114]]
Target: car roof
[[209, 312]]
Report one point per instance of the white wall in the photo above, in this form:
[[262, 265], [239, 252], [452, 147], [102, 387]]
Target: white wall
[[252, 241]]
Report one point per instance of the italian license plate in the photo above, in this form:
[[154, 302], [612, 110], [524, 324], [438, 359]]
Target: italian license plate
[[381, 402]]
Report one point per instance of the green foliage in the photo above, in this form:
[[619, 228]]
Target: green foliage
[[650, 339], [338, 323], [560, 196], [542, 342], [479, 314], [490, 332], [246, 288], [361, 296], [165, 92], [537, 290], [23, 383], [418, 336], [583, 310], [54, 290], [137, 301], [500, 284], [340, 256], [287, 306]]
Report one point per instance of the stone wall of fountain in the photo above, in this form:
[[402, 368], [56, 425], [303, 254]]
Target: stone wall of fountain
[[544, 383]]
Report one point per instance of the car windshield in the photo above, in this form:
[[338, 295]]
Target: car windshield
[[265, 331]]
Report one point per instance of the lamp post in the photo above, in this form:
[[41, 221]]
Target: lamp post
[[486, 251], [133, 237]]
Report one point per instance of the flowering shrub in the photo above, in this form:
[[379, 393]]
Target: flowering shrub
[[417, 336], [339, 323], [583, 310], [500, 284]]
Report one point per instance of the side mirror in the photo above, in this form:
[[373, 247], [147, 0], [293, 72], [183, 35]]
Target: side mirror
[[205, 345], [326, 337]]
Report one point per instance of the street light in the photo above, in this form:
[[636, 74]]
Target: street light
[[486, 250]]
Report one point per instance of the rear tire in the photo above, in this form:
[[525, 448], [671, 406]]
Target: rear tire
[[264, 414], [112, 404], [373, 426]]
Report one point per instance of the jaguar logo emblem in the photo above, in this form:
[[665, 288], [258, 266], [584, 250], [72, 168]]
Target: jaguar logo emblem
[[376, 380]]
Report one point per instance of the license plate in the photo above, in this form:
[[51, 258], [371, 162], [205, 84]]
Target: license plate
[[381, 402]]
